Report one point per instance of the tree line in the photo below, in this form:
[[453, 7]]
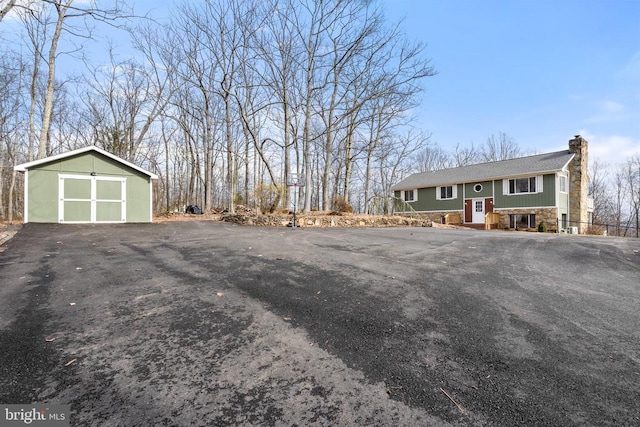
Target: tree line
[[228, 99], [615, 190]]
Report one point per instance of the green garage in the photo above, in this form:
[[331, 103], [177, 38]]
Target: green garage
[[88, 185]]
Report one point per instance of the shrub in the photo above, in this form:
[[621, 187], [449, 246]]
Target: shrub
[[339, 204], [542, 227], [596, 230], [268, 197]]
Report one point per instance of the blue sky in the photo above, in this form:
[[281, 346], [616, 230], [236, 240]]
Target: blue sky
[[540, 71]]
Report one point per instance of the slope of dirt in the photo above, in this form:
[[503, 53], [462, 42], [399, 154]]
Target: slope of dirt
[[7, 231]]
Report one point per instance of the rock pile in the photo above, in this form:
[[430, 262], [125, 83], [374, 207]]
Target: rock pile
[[320, 221]]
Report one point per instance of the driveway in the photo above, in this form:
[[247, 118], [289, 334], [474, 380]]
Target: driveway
[[206, 323]]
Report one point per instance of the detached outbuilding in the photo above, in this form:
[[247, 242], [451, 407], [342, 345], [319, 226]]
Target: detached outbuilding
[[88, 185]]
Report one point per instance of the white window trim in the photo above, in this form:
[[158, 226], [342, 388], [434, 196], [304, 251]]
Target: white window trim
[[566, 184], [528, 219], [454, 192], [415, 196], [539, 185]]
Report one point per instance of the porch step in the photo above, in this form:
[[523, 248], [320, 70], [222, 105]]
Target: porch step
[[474, 226]]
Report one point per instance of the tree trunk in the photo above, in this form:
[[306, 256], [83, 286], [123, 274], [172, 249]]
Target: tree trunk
[[7, 7], [12, 185], [33, 92], [51, 80]]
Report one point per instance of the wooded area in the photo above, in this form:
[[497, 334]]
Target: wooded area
[[230, 97], [224, 102]]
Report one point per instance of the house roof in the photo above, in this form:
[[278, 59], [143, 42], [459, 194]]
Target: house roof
[[25, 166], [536, 164]]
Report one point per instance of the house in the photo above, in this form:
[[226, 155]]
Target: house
[[549, 187], [88, 185]]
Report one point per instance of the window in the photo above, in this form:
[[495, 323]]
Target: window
[[562, 183], [477, 188], [564, 221], [409, 195], [447, 192], [523, 185], [522, 221]]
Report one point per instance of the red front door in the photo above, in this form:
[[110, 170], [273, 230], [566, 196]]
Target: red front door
[[468, 211]]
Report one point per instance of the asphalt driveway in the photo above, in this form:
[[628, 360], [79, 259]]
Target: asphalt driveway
[[206, 323]]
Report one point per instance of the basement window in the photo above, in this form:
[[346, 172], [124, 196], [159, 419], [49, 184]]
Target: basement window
[[522, 221]]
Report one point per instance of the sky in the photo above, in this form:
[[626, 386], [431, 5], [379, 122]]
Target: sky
[[540, 71]]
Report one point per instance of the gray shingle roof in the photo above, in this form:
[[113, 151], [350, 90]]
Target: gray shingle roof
[[536, 164]]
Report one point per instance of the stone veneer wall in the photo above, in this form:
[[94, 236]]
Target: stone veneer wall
[[311, 221], [437, 216], [578, 184], [548, 215]]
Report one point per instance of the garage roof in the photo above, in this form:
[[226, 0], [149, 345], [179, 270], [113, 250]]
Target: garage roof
[[23, 167], [536, 164]]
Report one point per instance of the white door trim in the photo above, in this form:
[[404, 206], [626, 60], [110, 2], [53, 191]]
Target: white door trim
[[477, 216], [93, 198]]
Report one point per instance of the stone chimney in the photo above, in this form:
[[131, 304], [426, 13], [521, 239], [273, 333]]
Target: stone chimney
[[578, 184]]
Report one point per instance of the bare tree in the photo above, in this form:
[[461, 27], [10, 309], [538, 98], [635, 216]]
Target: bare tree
[[464, 156], [632, 172], [310, 64], [392, 157], [621, 196], [389, 71], [35, 23], [502, 147], [603, 208], [11, 73], [219, 38], [196, 110], [124, 100], [239, 94], [61, 12], [278, 50], [432, 157]]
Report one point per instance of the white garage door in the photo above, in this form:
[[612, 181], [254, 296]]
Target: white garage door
[[91, 199]]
